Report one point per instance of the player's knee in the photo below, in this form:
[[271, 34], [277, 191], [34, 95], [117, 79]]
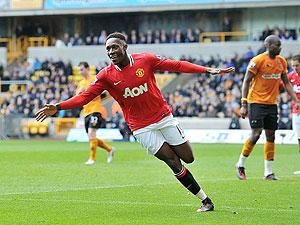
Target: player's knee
[[92, 133], [255, 136], [174, 164], [91, 136], [190, 159]]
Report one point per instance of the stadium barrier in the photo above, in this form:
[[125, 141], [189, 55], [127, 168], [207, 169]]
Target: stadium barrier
[[63, 125], [14, 85], [3, 132], [32, 127], [17, 47], [3, 53], [193, 135], [197, 130], [79, 134], [209, 123], [236, 136], [15, 126], [11, 126], [221, 36]]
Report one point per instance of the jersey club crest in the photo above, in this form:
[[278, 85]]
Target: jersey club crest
[[139, 72]]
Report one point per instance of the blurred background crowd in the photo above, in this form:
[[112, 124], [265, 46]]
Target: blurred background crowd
[[204, 96], [151, 36]]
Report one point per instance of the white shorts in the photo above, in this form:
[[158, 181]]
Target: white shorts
[[296, 124], [155, 135]]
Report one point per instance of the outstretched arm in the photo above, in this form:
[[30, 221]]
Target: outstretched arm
[[187, 67], [74, 102], [77, 101]]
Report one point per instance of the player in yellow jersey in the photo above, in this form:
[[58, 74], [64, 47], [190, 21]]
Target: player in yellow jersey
[[93, 118], [263, 76]]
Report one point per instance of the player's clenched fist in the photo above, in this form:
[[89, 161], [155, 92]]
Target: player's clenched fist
[[243, 111]]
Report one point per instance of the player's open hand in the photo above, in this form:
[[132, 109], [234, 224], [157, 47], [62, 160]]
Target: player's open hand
[[228, 70], [43, 113], [215, 71], [244, 111]]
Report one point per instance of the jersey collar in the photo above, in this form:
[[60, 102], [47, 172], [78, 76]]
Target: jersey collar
[[130, 62]]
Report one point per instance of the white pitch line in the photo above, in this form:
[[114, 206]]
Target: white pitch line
[[127, 185], [84, 188], [144, 203]]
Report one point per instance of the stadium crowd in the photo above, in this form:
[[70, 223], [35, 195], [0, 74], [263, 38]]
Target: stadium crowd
[[284, 33], [151, 36], [162, 36], [204, 96], [49, 82], [133, 37]]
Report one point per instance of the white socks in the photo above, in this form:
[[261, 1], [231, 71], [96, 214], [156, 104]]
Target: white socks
[[268, 167], [268, 164], [241, 162], [201, 194]]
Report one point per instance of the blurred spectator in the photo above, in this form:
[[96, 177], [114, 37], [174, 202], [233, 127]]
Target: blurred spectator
[[157, 37], [39, 32], [173, 36], [266, 32], [227, 27], [88, 40], [133, 37], [287, 36], [190, 37], [95, 40], [102, 37], [249, 55], [164, 37], [149, 37], [19, 31], [178, 36], [59, 43], [284, 34], [142, 38]]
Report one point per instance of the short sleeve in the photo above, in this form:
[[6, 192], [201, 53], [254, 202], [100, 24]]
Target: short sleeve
[[254, 65]]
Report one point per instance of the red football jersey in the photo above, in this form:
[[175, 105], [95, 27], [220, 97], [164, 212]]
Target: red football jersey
[[134, 87], [295, 81]]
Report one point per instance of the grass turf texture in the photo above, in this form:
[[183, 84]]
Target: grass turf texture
[[46, 182]]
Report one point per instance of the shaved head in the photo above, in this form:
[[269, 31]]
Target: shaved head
[[272, 39], [273, 45], [117, 35]]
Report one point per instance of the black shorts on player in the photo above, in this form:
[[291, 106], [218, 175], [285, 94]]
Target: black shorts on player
[[94, 120], [263, 116]]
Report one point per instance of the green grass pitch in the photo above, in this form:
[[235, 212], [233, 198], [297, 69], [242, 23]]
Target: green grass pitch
[[47, 182]]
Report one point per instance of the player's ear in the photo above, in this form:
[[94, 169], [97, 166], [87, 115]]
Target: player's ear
[[125, 47]]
